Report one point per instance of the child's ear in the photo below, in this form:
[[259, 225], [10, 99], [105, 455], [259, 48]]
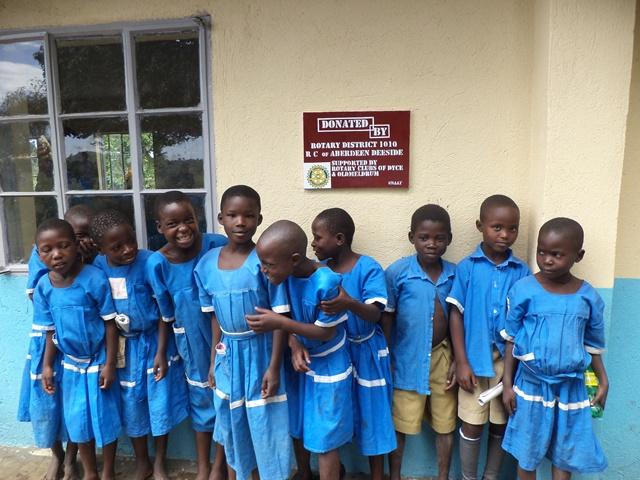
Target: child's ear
[[410, 236], [450, 239], [220, 218], [259, 219], [340, 239], [295, 258], [158, 227], [479, 225], [580, 255]]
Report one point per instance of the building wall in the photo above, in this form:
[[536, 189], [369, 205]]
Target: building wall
[[524, 98]]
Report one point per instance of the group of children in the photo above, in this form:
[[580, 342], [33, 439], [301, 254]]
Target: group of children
[[259, 344]]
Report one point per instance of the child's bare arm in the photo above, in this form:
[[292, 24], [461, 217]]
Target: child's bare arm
[[603, 388], [271, 378], [216, 335], [387, 321], [160, 365], [464, 374], [47, 364], [367, 311], [267, 320], [108, 374], [510, 364]]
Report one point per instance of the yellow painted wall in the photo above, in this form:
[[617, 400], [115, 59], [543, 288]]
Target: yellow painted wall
[[628, 250], [517, 97]]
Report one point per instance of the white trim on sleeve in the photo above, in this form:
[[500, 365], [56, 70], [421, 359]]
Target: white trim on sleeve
[[343, 318], [178, 330], [506, 336], [281, 309], [208, 309], [594, 350], [109, 316], [389, 309], [168, 319], [46, 328], [381, 300], [456, 303], [526, 357]]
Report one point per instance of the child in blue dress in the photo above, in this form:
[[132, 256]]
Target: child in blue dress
[[75, 300], [35, 406], [320, 396], [170, 273], [152, 386], [363, 295], [416, 318], [554, 330], [246, 367], [478, 298]]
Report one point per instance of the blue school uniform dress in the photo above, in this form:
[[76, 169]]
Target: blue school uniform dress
[[147, 406], [553, 337], [480, 292], [320, 400], [78, 313], [412, 296], [176, 292], [373, 392], [253, 430], [44, 411]]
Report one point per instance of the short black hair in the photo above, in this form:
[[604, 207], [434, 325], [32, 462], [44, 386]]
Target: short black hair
[[79, 211], [496, 201], [287, 236], [240, 191], [338, 221], [432, 212], [104, 221], [167, 198], [55, 224], [567, 227]]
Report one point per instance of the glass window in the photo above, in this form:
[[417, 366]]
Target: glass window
[[23, 86], [155, 239], [122, 203], [26, 159]]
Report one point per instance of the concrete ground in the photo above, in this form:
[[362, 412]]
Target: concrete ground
[[31, 464]]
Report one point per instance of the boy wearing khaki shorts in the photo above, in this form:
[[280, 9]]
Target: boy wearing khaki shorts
[[416, 324], [478, 298]]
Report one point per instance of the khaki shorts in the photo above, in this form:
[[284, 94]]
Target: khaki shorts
[[471, 412], [410, 408]]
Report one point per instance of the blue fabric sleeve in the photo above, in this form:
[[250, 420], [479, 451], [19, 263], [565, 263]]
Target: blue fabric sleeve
[[41, 312], [163, 297], [328, 291], [278, 296], [36, 270], [594, 331], [100, 292], [206, 301], [458, 294], [374, 285], [391, 281], [517, 305]]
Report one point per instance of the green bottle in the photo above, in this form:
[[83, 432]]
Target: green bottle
[[591, 382]]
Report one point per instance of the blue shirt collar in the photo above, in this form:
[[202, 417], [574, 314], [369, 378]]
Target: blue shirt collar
[[511, 259], [416, 271]]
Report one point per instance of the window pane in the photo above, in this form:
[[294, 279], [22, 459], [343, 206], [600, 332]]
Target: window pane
[[167, 69], [122, 203], [91, 74], [26, 163], [173, 151], [155, 240], [22, 215], [98, 154], [23, 87]]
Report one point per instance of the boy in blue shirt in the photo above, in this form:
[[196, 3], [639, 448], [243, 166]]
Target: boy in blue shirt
[[416, 316], [554, 329], [479, 295], [321, 409]]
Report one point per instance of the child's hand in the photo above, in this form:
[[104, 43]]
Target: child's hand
[[107, 376], [465, 377], [47, 380], [212, 375], [300, 358], [264, 321], [601, 394], [160, 367], [338, 304], [508, 399], [87, 248], [452, 381], [270, 382]]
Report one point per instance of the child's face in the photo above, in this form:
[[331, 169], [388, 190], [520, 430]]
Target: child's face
[[275, 263], [179, 225], [325, 244], [57, 250], [240, 217], [556, 254], [80, 225], [119, 245], [499, 228], [430, 240]]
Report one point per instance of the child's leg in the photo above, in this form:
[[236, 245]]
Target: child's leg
[[526, 474], [109, 461], [470, 450], [70, 462], [329, 465], [376, 467], [444, 447], [395, 457], [159, 462], [303, 460], [219, 469], [495, 453], [557, 474], [87, 452], [203, 447], [57, 460], [143, 464]]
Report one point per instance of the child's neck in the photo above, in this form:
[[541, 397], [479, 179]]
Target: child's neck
[[233, 255], [64, 280], [344, 260], [305, 268], [433, 269], [566, 284], [180, 255], [495, 257]]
